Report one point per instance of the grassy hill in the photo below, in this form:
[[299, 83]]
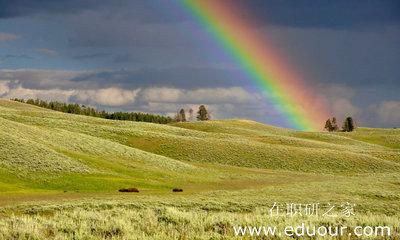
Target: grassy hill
[[232, 172], [46, 151]]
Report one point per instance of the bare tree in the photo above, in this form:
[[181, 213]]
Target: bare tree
[[191, 117]]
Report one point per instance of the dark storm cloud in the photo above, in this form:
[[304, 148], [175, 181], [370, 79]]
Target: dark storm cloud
[[26, 8], [123, 58], [162, 23], [91, 56], [354, 58], [305, 13], [143, 11], [121, 31], [182, 77], [21, 56], [323, 14]]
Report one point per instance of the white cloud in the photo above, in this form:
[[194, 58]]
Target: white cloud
[[45, 94], [229, 102], [343, 108], [47, 51], [223, 102], [232, 102], [4, 87], [112, 97], [337, 98], [387, 113], [4, 37], [205, 95], [100, 97], [162, 94]]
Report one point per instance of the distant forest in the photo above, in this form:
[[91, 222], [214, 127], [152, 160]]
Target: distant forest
[[88, 111]]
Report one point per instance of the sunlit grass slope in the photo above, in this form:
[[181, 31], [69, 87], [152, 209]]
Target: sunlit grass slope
[[47, 151]]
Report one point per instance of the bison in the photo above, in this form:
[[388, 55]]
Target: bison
[[177, 190], [128, 190]]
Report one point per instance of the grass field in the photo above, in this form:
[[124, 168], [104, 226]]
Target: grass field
[[60, 174]]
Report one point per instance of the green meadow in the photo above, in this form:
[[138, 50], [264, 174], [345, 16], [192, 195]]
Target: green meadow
[[60, 174]]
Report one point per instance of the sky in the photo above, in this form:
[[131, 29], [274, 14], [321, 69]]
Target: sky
[[151, 56]]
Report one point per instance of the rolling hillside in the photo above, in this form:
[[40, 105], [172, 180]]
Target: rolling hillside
[[47, 151], [59, 176]]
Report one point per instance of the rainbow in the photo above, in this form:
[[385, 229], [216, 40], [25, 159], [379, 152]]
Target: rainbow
[[283, 89]]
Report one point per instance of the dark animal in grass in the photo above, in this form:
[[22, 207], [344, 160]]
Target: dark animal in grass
[[177, 190], [128, 190]]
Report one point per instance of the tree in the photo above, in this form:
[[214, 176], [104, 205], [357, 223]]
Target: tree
[[334, 124], [202, 113], [328, 125], [331, 126], [181, 116], [349, 125], [191, 114]]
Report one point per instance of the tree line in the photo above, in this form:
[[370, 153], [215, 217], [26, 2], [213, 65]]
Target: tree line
[[75, 108], [348, 125]]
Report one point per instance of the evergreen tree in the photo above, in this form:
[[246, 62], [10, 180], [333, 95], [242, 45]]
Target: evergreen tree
[[349, 125], [331, 126], [202, 114], [328, 125], [334, 124]]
